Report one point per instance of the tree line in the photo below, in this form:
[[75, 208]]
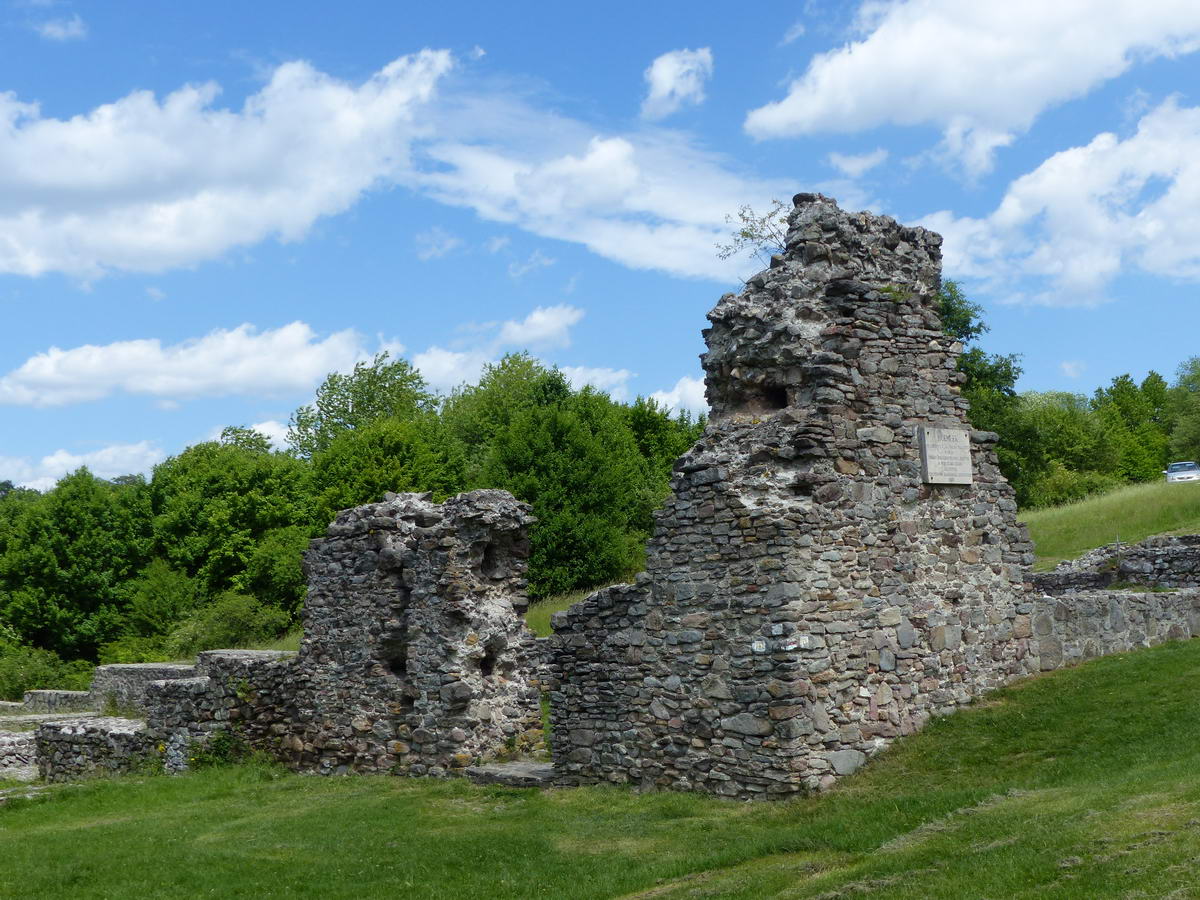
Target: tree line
[[1057, 446], [206, 551]]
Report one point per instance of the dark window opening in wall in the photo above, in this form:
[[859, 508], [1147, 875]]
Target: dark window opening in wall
[[492, 565], [393, 653], [487, 663], [775, 397], [761, 399]]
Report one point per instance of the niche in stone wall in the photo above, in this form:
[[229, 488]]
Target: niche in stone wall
[[494, 562], [393, 651], [759, 399], [493, 656]]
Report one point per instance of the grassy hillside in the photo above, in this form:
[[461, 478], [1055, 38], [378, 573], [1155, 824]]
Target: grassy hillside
[[1131, 513], [1079, 784]]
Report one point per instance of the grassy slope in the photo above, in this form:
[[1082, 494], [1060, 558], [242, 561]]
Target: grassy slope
[[1079, 784], [1132, 513]]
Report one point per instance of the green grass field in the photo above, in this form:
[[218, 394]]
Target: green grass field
[[1081, 784], [1130, 514]]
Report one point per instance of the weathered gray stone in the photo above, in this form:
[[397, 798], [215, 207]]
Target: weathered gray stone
[[846, 762], [744, 723]]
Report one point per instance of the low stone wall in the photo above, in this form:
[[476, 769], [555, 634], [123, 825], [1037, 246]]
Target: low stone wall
[[1086, 624], [57, 701], [1167, 562], [87, 747], [122, 685], [248, 691], [17, 750]]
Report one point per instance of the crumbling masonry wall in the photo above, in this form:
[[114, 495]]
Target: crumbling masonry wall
[[807, 597], [415, 657]]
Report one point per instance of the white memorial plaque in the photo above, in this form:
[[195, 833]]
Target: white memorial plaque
[[945, 456]]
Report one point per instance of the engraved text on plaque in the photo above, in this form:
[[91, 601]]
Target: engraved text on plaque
[[945, 456]]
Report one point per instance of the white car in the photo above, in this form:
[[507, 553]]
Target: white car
[[1182, 471]]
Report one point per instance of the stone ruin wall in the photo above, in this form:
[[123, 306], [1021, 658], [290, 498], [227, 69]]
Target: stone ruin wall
[[415, 657], [807, 597], [1159, 562]]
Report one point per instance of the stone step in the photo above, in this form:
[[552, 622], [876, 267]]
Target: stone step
[[518, 773]]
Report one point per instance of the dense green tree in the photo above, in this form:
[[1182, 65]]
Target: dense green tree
[[383, 389], [360, 466], [1183, 401], [577, 463], [66, 559], [660, 437], [159, 598], [213, 503], [961, 319], [1131, 417], [474, 414]]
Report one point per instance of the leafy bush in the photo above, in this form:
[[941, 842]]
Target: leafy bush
[[223, 748], [134, 649], [275, 570], [232, 620], [1061, 485], [25, 668], [160, 598]]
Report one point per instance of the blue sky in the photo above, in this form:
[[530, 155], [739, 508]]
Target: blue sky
[[205, 208]]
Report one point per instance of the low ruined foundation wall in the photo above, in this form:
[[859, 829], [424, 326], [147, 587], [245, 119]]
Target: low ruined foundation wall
[[83, 748], [17, 750], [57, 701], [1075, 627], [122, 685], [248, 692], [1166, 562]]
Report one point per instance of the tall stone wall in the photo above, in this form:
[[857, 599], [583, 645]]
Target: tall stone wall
[[415, 657], [808, 596]]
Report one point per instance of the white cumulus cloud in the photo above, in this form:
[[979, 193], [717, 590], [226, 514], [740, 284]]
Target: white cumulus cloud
[[674, 79], [855, 165], [1089, 213], [107, 462], [980, 72], [545, 327], [614, 382], [147, 184], [687, 394], [647, 200], [240, 360], [1072, 368]]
